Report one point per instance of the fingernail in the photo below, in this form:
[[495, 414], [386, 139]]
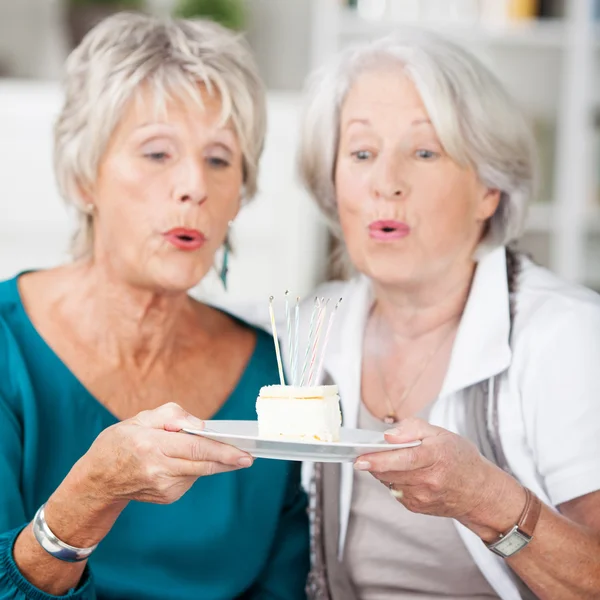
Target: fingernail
[[362, 465], [394, 431], [245, 461]]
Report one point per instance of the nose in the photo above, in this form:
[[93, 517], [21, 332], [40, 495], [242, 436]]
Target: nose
[[191, 184], [389, 183]]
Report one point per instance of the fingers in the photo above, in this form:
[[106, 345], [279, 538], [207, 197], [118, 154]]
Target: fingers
[[193, 469], [198, 449], [411, 430], [404, 459], [170, 417], [405, 479]]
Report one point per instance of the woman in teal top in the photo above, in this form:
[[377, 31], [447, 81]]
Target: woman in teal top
[[225, 535], [104, 360]]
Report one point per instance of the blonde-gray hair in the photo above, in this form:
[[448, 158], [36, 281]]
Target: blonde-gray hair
[[478, 123], [172, 56]]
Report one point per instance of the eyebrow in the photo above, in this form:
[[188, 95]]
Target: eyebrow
[[424, 121], [358, 122], [415, 123], [226, 131], [153, 124]]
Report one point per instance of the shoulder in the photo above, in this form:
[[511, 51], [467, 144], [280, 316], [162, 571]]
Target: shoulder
[[556, 355], [556, 345], [9, 297], [9, 346], [550, 309]]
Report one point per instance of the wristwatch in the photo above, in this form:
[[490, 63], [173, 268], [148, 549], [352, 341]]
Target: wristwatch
[[519, 535]]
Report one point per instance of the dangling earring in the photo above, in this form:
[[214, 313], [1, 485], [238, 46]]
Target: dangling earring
[[225, 265]]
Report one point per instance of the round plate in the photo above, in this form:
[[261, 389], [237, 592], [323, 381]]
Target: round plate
[[244, 435]]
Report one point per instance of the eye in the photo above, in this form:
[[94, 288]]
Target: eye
[[157, 156], [217, 162], [426, 154], [362, 155]]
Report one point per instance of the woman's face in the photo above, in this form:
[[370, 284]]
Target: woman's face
[[409, 213], [166, 188]]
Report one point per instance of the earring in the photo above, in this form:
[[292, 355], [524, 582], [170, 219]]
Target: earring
[[89, 208], [225, 265]]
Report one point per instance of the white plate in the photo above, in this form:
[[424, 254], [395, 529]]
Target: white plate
[[244, 435]]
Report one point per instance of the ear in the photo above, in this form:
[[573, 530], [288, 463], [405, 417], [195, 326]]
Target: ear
[[488, 204], [85, 192], [241, 202], [237, 208]]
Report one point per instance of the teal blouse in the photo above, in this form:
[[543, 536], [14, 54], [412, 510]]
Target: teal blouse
[[234, 535]]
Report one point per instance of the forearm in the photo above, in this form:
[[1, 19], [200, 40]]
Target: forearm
[[562, 560], [77, 517], [42, 570]]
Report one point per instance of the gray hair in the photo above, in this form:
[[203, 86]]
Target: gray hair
[[106, 71], [478, 123]]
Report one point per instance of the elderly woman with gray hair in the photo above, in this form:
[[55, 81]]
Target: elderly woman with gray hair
[[424, 166], [158, 140]]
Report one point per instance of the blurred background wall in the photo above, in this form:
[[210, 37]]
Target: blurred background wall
[[547, 52]]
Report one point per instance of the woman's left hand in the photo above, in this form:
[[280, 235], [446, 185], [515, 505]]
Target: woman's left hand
[[445, 476]]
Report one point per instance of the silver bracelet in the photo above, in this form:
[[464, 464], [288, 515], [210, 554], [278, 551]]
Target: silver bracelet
[[52, 545]]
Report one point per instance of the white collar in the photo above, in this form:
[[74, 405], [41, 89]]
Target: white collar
[[482, 345], [481, 348]]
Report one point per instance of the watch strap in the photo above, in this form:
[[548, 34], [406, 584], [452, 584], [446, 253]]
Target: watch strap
[[523, 529], [531, 513]]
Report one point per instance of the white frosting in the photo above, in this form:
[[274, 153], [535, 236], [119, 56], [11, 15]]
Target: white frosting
[[311, 413], [291, 391]]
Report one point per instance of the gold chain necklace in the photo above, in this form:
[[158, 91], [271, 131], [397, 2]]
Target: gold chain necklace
[[392, 415]]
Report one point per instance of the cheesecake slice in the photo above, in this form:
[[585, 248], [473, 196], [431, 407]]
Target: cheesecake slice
[[299, 413]]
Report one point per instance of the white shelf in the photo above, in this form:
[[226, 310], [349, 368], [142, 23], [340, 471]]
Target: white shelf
[[542, 218], [547, 33]]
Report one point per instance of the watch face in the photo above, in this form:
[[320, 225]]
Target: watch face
[[511, 543]]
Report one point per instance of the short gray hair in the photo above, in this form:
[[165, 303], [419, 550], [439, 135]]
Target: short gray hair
[[478, 123], [106, 71]]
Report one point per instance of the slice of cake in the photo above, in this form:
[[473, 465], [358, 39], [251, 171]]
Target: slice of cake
[[299, 413]]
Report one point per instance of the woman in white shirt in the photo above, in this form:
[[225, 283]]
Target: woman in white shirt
[[424, 166]]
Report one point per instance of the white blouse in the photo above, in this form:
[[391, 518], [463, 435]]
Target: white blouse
[[549, 396], [549, 383]]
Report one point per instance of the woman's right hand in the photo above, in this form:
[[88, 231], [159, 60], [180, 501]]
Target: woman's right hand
[[147, 459]]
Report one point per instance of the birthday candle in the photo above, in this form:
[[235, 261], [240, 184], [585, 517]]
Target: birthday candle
[[288, 320], [321, 318], [310, 337], [296, 343], [276, 341], [326, 341]]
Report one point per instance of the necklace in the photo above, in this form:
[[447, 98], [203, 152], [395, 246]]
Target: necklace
[[391, 416]]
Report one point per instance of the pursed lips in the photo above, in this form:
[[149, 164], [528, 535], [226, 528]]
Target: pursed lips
[[388, 230], [184, 238]]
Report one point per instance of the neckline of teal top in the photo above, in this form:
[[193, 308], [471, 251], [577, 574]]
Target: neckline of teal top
[[44, 346]]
